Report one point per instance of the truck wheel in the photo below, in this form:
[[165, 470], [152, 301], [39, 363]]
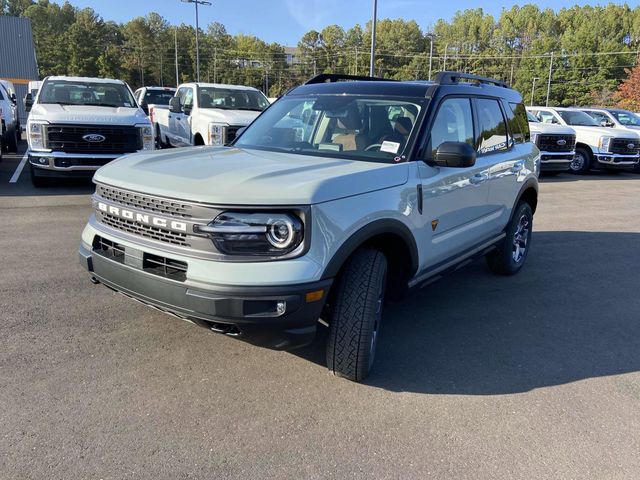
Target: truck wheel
[[512, 252], [12, 141], [581, 162], [356, 315], [159, 143], [37, 181]]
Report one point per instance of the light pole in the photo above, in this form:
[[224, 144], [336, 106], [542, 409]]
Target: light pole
[[444, 63], [430, 35], [372, 64], [533, 89], [208, 4]]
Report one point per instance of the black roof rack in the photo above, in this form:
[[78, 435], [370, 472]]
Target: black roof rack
[[449, 78], [337, 77]]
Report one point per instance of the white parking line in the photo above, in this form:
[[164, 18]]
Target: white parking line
[[16, 174]]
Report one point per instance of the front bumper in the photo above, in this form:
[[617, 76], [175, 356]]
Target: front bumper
[[555, 161], [252, 314], [615, 161], [66, 164]]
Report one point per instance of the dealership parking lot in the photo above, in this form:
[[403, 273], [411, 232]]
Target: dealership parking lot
[[477, 376]]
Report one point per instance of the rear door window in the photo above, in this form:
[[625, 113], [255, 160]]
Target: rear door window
[[491, 126]]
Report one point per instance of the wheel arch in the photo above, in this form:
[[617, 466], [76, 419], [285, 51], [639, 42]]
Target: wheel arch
[[198, 139], [392, 237], [585, 146], [529, 194]]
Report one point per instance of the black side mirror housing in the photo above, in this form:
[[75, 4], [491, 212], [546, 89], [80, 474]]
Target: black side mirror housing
[[144, 106], [28, 102], [455, 155], [14, 99], [240, 131], [174, 105]]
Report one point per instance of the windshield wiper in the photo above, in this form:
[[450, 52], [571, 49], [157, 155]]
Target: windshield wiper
[[248, 108]]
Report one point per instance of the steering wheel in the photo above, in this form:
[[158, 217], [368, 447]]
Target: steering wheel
[[370, 147]]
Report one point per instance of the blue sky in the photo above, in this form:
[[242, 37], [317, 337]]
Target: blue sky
[[285, 21]]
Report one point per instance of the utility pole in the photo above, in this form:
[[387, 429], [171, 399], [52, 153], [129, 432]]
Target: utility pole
[[549, 81], [444, 63], [533, 89], [176, 40], [215, 65], [372, 64], [356, 61], [208, 4], [511, 77], [430, 35]]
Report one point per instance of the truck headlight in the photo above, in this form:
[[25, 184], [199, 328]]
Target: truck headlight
[[35, 135], [605, 144], [534, 138], [146, 135], [255, 234], [217, 133]]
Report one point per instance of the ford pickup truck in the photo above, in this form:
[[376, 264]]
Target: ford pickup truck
[[207, 114]]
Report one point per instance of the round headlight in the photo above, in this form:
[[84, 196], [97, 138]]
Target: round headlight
[[281, 234]]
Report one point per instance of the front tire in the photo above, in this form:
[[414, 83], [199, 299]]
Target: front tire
[[511, 254], [36, 180], [581, 162], [356, 315], [12, 141]]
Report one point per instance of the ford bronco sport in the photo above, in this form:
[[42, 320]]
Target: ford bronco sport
[[340, 195]]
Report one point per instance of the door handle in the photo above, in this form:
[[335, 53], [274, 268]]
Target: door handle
[[517, 168], [478, 178]]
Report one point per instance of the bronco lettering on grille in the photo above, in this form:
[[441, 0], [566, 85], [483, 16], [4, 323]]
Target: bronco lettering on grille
[[143, 218]]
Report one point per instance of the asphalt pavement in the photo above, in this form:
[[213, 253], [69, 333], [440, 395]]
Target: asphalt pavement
[[477, 376]]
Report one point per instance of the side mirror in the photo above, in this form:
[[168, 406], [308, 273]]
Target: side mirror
[[456, 155], [174, 105], [606, 123], [28, 102], [14, 99]]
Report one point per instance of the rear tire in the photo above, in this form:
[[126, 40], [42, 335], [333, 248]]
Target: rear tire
[[356, 315], [12, 141], [581, 162], [512, 252]]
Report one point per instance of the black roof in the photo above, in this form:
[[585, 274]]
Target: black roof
[[445, 83]]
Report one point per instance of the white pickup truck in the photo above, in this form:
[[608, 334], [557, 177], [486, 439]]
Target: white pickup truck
[[557, 144], [596, 146], [207, 114], [76, 125]]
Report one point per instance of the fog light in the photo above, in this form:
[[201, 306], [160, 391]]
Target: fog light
[[42, 161], [281, 307]]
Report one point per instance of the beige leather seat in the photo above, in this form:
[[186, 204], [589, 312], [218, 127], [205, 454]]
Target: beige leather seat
[[351, 139]]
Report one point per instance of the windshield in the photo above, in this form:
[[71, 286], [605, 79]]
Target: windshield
[[337, 126], [626, 118], [231, 99], [158, 97], [532, 118], [574, 117], [100, 94]]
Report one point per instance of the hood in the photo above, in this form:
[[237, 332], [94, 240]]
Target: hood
[[232, 176], [239, 118], [606, 131], [539, 127], [87, 114]]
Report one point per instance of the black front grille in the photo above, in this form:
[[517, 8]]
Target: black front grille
[[625, 146], [69, 138], [145, 202], [232, 133], [146, 231], [549, 143], [165, 267], [80, 162]]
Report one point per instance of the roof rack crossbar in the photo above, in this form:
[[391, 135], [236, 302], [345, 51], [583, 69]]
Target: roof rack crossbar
[[337, 77], [448, 78]]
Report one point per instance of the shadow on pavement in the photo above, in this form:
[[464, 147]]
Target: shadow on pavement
[[599, 175], [573, 313]]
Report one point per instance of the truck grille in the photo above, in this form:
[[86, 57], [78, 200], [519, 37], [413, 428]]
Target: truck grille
[[621, 146], [549, 143], [146, 231], [144, 202], [232, 132], [68, 138]]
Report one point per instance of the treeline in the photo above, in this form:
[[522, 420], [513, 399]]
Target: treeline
[[588, 50]]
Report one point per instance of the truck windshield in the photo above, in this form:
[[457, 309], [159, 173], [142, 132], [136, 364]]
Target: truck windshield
[[100, 94], [626, 118], [337, 126], [231, 99], [574, 117], [158, 97]]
